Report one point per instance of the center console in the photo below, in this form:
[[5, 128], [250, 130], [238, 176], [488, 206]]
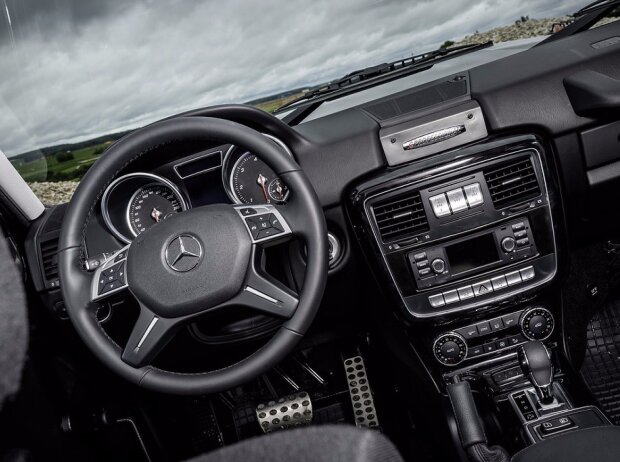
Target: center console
[[463, 234]]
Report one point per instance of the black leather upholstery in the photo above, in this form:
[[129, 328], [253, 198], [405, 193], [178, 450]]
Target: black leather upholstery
[[326, 443], [599, 444]]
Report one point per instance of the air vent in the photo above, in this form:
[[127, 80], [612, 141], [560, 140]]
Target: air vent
[[512, 182], [49, 257], [400, 217]]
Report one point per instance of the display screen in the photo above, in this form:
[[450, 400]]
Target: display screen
[[472, 253]]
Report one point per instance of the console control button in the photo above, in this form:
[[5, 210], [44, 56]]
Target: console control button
[[513, 278], [496, 324], [450, 349], [537, 323], [520, 234], [436, 301], [451, 296], [484, 328], [440, 205], [420, 256], [475, 351], [465, 292], [527, 273], [556, 425], [508, 244], [516, 339], [489, 347], [468, 332], [424, 272], [511, 320], [422, 264], [438, 265], [518, 226], [473, 193], [499, 282], [482, 288], [502, 343], [457, 200], [523, 242]]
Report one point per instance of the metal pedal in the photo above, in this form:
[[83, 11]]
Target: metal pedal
[[289, 411], [360, 393]]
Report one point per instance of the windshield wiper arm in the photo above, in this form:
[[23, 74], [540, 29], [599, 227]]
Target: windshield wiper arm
[[384, 72]]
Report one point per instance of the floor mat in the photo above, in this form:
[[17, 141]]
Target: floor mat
[[601, 366]]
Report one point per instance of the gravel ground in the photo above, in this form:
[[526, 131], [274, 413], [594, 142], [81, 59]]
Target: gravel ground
[[56, 192], [52, 193]]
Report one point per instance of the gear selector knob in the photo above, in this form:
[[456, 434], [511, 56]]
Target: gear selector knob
[[535, 361]]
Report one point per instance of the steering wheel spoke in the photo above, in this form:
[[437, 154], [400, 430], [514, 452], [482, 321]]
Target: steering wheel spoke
[[263, 293], [149, 335], [111, 277]]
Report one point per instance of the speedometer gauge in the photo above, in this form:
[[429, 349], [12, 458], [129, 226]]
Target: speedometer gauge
[[150, 204]]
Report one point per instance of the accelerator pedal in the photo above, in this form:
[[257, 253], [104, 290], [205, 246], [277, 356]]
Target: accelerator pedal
[[289, 411], [361, 395]]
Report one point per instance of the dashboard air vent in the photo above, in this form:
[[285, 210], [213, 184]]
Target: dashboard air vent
[[400, 217], [49, 257], [512, 182]]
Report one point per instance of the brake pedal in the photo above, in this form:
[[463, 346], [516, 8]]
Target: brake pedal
[[289, 411], [360, 393]]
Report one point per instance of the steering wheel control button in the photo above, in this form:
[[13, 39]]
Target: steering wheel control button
[[537, 323], [122, 255], [450, 349], [247, 211], [440, 205], [275, 223]]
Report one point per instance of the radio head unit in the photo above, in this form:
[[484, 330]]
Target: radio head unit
[[470, 230]]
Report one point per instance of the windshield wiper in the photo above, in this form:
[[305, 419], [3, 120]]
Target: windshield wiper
[[380, 73]]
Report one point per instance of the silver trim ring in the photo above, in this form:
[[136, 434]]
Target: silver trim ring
[[227, 181], [106, 196]]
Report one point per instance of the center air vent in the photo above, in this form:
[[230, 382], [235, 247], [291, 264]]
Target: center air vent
[[49, 257], [512, 182], [400, 217]]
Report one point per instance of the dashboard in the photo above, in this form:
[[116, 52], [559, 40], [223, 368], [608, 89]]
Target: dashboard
[[135, 201]]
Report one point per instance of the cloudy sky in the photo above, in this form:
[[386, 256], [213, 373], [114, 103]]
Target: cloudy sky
[[72, 69]]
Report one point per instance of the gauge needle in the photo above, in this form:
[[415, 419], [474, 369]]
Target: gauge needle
[[156, 214], [261, 181]]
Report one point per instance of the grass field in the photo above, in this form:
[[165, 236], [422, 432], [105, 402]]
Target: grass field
[[71, 164]]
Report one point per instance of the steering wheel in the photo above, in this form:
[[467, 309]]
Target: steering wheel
[[195, 262]]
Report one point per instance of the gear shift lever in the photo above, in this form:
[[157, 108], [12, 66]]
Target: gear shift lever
[[535, 361]]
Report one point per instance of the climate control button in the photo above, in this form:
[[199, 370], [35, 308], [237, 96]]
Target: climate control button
[[537, 323], [450, 349]]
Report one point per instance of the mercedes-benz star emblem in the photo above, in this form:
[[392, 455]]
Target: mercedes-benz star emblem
[[183, 253]]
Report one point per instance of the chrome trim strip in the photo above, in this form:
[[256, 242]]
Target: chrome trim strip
[[194, 159], [440, 170], [147, 331], [260, 294], [434, 137]]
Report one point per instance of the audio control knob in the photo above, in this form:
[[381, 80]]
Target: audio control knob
[[438, 265], [537, 323], [508, 244], [450, 349]]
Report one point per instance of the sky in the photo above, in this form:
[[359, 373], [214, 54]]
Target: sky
[[74, 69]]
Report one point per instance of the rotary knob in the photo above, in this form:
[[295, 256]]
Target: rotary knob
[[450, 349], [537, 323], [508, 244], [438, 265]]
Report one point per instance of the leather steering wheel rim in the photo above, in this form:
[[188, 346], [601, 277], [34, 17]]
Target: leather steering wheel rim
[[303, 209]]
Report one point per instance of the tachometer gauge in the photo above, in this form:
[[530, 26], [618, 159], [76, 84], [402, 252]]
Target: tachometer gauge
[[150, 204], [251, 180]]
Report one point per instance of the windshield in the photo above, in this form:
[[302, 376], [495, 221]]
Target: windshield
[[78, 74]]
